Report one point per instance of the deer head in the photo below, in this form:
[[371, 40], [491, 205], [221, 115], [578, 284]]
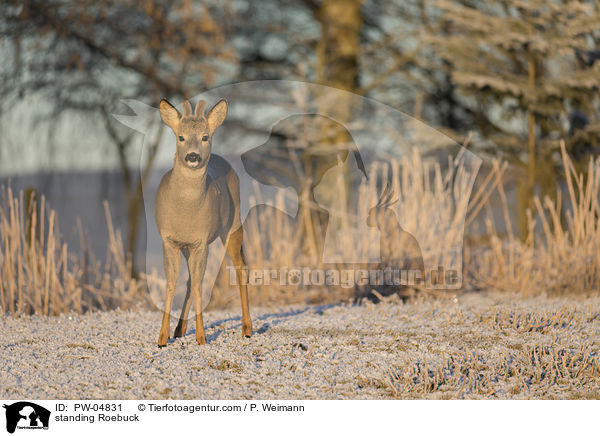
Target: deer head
[[193, 130], [380, 210]]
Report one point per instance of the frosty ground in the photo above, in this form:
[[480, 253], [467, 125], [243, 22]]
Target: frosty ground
[[476, 345]]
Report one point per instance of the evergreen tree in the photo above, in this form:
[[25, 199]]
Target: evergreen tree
[[528, 70]]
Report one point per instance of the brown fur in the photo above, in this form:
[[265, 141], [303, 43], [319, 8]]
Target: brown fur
[[197, 202]]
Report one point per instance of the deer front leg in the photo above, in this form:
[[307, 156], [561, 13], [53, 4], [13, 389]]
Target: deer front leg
[[172, 263], [197, 266]]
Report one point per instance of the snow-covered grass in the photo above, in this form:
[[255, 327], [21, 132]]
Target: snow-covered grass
[[476, 345]]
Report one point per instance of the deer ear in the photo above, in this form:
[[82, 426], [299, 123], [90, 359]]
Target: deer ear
[[217, 115], [169, 114]]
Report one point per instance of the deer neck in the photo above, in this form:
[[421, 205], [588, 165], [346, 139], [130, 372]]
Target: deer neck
[[185, 178]]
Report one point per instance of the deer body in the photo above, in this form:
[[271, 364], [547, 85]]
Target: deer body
[[196, 202], [205, 205]]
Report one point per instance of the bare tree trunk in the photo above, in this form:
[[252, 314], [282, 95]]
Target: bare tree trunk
[[133, 184], [338, 50], [532, 156], [338, 67], [527, 203]]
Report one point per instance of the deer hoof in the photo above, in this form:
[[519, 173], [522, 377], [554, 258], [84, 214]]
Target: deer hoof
[[163, 339], [247, 330]]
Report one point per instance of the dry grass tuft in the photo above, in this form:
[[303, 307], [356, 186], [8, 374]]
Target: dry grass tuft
[[562, 250], [431, 195], [39, 274]]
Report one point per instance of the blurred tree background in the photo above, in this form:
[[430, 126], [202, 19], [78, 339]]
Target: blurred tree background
[[520, 75], [528, 72]]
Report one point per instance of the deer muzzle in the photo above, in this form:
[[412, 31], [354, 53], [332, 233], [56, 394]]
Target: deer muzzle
[[193, 157]]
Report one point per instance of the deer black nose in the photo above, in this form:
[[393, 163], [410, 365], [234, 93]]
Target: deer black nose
[[193, 157]]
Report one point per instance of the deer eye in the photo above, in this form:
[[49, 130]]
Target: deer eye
[[205, 138], [181, 138]]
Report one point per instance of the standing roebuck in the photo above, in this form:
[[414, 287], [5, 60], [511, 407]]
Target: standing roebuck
[[197, 201]]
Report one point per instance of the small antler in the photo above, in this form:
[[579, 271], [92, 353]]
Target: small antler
[[199, 111], [186, 109], [188, 112]]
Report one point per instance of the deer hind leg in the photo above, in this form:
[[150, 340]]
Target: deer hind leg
[[236, 253], [185, 311], [197, 266], [172, 263]]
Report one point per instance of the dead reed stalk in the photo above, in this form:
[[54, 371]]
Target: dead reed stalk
[[39, 274]]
